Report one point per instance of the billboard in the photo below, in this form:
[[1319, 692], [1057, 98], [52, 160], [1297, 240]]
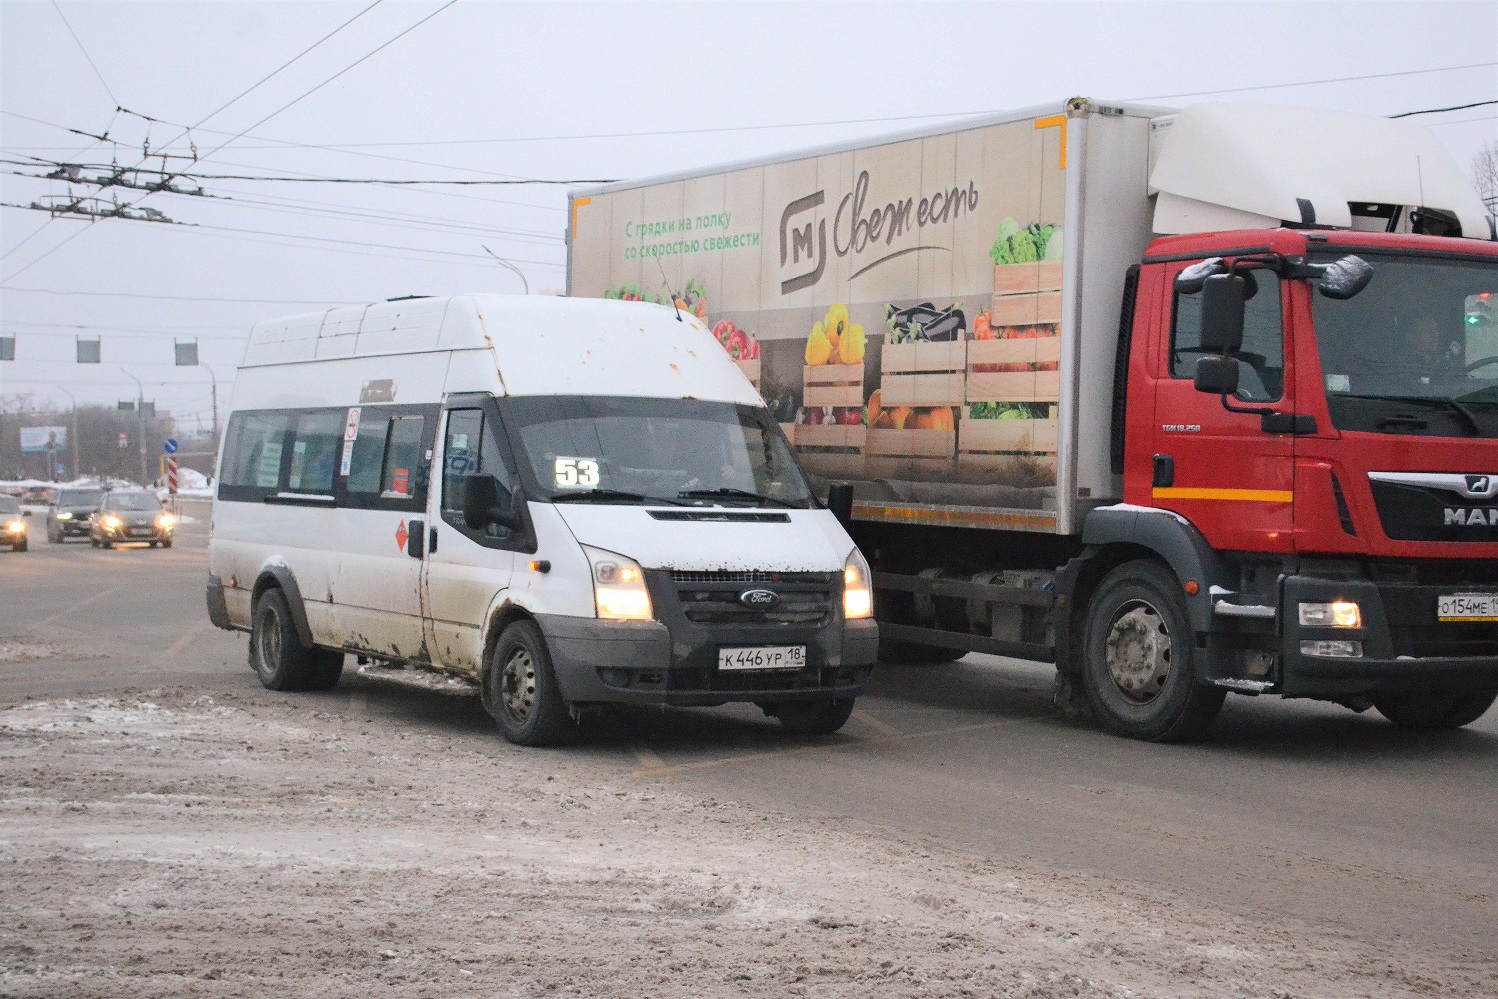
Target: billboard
[[898, 306], [39, 440]]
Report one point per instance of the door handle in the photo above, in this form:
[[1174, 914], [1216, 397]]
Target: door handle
[[432, 542], [1165, 472], [416, 535]]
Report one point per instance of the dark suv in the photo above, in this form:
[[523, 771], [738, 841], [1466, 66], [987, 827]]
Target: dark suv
[[130, 516], [67, 515]]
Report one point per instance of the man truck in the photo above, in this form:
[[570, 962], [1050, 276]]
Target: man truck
[[1187, 402]]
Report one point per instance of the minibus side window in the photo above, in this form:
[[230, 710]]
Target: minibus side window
[[368, 454], [403, 458], [253, 450], [314, 452], [469, 448]]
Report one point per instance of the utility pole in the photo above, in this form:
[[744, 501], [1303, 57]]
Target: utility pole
[[187, 357], [140, 423], [74, 444]]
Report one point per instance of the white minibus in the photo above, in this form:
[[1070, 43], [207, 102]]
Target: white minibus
[[569, 502]]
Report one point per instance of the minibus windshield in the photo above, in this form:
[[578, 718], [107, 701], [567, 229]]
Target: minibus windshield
[[679, 451]]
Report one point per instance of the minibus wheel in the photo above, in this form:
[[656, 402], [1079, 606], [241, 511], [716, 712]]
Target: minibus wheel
[[520, 688], [277, 654], [813, 717]]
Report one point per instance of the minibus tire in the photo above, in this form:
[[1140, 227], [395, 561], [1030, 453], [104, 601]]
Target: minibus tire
[[277, 654], [1136, 622], [520, 689], [813, 717]]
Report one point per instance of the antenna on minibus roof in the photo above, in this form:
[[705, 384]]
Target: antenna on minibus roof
[[675, 302]]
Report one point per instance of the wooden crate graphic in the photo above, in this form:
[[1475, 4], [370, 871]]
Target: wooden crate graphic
[[1026, 310], [832, 385], [1025, 436], [751, 371], [1020, 279], [1013, 386], [912, 443], [922, 374], [831, 435]]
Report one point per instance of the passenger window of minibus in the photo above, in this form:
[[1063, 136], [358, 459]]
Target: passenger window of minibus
[[368, 454], [253, 450], [469, 449], [314, 452], [404, 465]]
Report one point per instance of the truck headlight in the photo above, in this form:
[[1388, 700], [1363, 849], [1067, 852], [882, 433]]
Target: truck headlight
[[1337, 614], [858, 591], [619, 591]]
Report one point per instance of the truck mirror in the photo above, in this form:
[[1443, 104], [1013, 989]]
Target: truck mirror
[[1223, 296], [1217, 375], [1344, 278], [483, 504]]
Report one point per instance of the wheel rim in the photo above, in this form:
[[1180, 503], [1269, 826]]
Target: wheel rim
[[517, 685], [268, 641], [1138, 652]]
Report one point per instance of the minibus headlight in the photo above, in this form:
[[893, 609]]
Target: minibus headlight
[[1337, 614], [858, 592], [619, 591]]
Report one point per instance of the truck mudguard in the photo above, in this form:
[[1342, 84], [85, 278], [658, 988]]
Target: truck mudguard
[[279, 574], [1172, 537]]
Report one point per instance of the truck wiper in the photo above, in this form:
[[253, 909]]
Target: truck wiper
[[739, 494], [611, 496], [1451, 405]]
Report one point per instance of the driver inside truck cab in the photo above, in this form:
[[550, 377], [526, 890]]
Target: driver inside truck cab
[[1429, 350]]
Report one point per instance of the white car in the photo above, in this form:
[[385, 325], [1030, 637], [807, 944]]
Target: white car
[[572, 502]]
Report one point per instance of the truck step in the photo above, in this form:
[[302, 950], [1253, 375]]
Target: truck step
[[421, 679]]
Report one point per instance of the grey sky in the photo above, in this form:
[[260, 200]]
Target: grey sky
[[452, 99]]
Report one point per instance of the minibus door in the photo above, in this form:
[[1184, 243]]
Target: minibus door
[[466, 570]]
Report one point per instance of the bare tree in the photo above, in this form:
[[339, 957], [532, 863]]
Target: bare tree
[[1485, 175]]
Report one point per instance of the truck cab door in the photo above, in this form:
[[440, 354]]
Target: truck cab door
[[1219, 469], [466, 569]]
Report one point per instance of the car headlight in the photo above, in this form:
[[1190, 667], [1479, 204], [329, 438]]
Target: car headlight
[[619, 592], [16, 527], [165, 521], [110, 522], [65, 515], [858, 591]]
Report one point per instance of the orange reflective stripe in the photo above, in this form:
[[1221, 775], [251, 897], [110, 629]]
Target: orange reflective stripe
[[1242, 495], [1054, 121]]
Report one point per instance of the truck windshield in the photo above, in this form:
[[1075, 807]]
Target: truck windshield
[[619, 449], [1416, 352]]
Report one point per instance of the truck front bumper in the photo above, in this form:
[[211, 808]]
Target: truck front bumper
[[1401, 645], [647, 662]]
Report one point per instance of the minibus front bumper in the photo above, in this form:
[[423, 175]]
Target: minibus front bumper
[[650, 662]]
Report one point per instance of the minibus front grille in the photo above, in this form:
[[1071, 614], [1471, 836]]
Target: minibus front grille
[[680, 576], [721, 606]]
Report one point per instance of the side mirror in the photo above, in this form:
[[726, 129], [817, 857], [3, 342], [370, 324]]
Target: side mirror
[[1223, 296], [840, 502], [482, 504], [1217, 375], [1344, 278]]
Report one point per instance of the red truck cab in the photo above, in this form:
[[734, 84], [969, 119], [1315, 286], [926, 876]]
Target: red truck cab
[[1346, 489]]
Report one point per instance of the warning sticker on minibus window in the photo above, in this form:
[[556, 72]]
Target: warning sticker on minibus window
[[401, 482], [574, 473]]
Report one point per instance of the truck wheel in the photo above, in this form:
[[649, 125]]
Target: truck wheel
[[813, 717], [1139, 659], [520, 689], [1434, 710], [278, 656]]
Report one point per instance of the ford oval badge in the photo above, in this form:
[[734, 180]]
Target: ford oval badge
[[760, 599]]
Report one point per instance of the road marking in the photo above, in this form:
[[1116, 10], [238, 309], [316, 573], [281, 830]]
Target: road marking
[[660, 771], [647, 758], [80, 604], [181, 643], [875, 723]]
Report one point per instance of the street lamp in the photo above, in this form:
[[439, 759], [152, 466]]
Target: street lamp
[[505, 263], [187, 357], [140, 421]]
